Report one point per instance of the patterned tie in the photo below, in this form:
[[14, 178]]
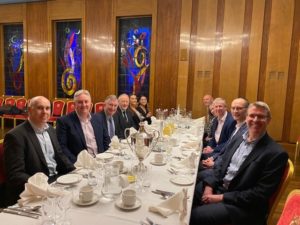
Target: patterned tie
[[111, 128]]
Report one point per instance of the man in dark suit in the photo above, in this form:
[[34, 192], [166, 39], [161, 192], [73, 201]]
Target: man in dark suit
[[251, 170], [222, 128], [110, 108], [81, 130], [32, 147], [123, 118]]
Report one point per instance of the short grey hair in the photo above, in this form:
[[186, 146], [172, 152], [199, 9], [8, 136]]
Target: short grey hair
[[80, 92], [220, 100], [262, 105], [110, 98]]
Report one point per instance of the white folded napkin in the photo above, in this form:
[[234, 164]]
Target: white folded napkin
[[187, 163], [153, 119], [200, 120], [36, 188], [132, 130], [85, 160], [115, 143], [176, 203]]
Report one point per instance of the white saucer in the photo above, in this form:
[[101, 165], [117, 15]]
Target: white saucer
[[119, 204], [69, 179], [77, 201], [182, 180], [105, 156], [158, 164]]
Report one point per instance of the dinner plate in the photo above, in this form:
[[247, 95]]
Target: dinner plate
[[69, 179], [158, 164], [77, 201], [182, 180], [119, 204], [105, 156]]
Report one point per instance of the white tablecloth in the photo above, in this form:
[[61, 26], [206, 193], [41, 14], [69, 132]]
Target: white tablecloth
[[108, 213]]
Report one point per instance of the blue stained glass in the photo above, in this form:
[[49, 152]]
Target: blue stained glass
[[134, 55]]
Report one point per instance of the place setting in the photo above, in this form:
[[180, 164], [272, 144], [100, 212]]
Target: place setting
[[85, 196], [158, 160], [128, 200]]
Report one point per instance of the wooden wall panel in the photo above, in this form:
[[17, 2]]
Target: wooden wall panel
[[37, 50], [166, 71], [12, 13], [292, 118], [231, 50], [204, 47], [134, 8], [66, 9], [183, 63], [278, 63], [255, 42], [99, 49]]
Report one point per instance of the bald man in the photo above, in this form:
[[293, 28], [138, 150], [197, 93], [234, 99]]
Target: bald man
[[32, 147]]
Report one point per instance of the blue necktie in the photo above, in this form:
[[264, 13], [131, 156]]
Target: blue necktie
[[111, 128]]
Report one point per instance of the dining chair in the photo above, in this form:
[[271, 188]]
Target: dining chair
[[21, 104], [275, 198], [9, 101], [57, 110], [99, 106], [290, 214], [1, 100], [70, 106]]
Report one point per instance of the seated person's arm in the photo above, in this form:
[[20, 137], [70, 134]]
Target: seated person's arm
[[62, 136], [14, 160]]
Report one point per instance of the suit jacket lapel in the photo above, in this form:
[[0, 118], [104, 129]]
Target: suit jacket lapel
[[35, 142]]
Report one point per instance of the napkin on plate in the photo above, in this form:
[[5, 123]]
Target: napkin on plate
[[187, 163], [85, 160], [115, 143], [176, 203], [37, 187]]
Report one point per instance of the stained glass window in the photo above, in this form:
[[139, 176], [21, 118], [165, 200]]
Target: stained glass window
[[134, 55], [68, 58], [13, 59]]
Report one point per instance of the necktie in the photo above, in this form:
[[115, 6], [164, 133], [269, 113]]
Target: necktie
[[111, 128], [125, 116]]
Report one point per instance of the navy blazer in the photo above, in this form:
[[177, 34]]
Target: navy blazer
[[247, 197], [227, 129], [71, 138], [23, 157], [121, 124]]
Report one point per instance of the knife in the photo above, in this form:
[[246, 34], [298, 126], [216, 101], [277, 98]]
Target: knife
[[26, 210], [11, 211], [161, 192]]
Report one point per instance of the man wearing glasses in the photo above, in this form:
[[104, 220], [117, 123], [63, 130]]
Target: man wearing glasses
[[239, 190]]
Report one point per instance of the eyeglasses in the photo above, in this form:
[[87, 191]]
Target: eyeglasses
[[258, 117]]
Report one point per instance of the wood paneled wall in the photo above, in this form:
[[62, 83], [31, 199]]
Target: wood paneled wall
[[250, 49]]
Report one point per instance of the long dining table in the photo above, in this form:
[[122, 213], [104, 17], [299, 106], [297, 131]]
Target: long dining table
[[106, 212]]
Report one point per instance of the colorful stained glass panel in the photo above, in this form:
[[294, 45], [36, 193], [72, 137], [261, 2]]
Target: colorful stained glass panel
[[68, 58], [134, 55], [13, 59]]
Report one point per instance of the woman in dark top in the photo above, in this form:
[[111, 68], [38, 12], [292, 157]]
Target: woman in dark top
[[143, 109], [136, 115]]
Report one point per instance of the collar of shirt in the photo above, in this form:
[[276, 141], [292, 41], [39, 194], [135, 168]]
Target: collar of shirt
[[238, 125], [245, 137], [84, 120], [37, 129]]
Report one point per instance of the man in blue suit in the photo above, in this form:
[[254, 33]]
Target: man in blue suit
[[81, 130], [222, 128]]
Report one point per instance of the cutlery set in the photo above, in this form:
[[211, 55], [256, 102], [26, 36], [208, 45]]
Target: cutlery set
[[28, 211], [164, 194]]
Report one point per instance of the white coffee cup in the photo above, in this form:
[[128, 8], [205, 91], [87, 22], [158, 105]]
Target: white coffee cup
[[158, 158], [86, 193], [129, 197], [120, 164]]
